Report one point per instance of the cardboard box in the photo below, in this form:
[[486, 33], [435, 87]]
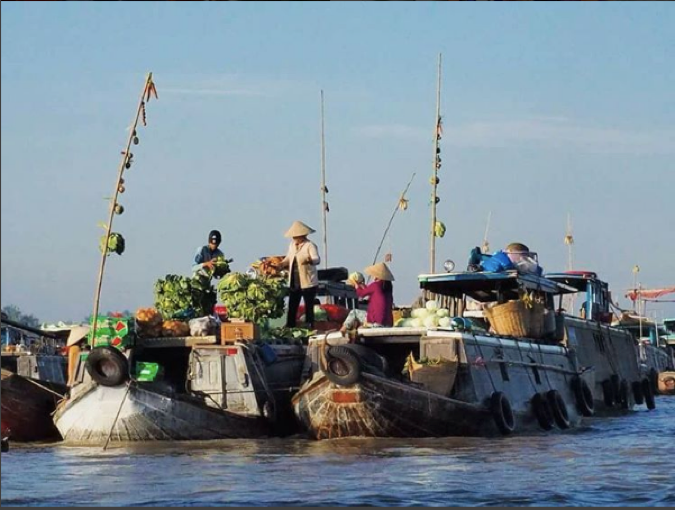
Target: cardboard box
[[113, 331], [231, 332]]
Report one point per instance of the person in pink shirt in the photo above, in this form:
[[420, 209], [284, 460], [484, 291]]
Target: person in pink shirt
[[380, 303]]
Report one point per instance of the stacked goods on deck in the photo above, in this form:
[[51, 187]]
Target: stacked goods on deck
[[253, 299], [112, 331], [148, 323], [430, 316]]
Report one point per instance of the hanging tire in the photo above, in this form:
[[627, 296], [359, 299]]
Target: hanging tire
[[107, 366], [624, 394], [608, 393], [649, 394], [559, 409], [638, 395], [370, 360], [502, 413], [542, 411], [616, 387], [654, 380], [583, 396], [344, 367]]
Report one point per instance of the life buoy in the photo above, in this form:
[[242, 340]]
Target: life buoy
[[542, 411], [559, 409], [638, 395], [608, 393], [502, 413], [343, 366], [649, 394], [583, 396], [107, 366], [624, 397]]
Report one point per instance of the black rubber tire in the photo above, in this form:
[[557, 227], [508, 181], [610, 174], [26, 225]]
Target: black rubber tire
[[583, 396], [650, 401], [369, 359], [624, 394], [616, 387], [344, 367], [107, 366], [502, 413], [608, 393], [559, 409], [542, 411], [638, 395], [654, 380]]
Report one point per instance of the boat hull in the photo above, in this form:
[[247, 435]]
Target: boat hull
[[133, 413], [666, 383], [27, 408]]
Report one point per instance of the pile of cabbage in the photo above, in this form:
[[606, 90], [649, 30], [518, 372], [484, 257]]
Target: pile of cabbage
[[182, 298], [428, 317], [252, 299]]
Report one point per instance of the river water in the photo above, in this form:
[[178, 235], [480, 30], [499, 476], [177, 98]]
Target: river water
[[623, 461]]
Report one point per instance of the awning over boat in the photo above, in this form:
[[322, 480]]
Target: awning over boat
[[648, 294], [486, 287]]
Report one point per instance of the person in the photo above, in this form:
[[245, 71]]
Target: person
[[206, 254], [301, 261], [381, 303], [75, 345]]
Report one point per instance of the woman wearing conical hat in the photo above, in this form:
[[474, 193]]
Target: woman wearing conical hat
[[301, 261], [381, 302]]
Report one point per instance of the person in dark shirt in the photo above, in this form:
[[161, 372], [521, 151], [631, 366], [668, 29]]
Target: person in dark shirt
[[206, 254]]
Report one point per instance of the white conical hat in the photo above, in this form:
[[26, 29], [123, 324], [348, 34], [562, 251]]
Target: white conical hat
[[379, 271], [298, 229], [77, 334]]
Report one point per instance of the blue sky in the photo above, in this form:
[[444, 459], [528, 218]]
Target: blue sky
[[548, 109]]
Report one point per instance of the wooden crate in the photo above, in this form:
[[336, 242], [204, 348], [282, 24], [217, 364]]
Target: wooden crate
[[231, 332]]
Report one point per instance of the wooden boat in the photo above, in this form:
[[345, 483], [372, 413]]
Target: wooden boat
[[484, 385], [620, 383], [27, 407], [203, 391]]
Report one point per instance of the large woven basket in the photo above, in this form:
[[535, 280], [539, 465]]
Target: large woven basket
[[514, 318]]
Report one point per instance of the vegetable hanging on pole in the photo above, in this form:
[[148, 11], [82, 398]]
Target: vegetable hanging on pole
[[127, 159]]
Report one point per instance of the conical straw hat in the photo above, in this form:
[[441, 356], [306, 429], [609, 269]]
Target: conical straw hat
[[379, 271], [77, 334], [299, 229]]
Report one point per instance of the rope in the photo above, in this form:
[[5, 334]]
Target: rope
[[480, 351], [43, 387], [529, 377], [105, 446]]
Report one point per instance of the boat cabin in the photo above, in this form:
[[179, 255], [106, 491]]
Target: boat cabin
[[597, 295]]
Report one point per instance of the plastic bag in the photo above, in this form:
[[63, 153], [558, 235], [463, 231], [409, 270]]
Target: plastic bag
[[203, 326]]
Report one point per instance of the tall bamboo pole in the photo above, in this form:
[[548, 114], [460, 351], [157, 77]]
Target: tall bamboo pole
[[436, 164], [324, 190], [113, 202]]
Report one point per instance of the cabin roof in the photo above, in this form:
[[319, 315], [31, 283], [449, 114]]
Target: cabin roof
[[486, 286], [576, 279]]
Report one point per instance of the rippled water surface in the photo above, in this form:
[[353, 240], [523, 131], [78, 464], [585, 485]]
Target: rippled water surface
[[623, 461]]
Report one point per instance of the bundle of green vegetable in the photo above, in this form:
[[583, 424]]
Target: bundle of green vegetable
[[221, 267], [252, 299], [180, 297], [115, 243], [286, 336]]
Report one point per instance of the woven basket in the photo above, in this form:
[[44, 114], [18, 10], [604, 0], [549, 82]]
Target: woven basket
[[515, 319]]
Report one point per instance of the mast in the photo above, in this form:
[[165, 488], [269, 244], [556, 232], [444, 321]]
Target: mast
[[125, 163], [569, 241], [486, 245], [436, 166], [324, 189], [401, 205]]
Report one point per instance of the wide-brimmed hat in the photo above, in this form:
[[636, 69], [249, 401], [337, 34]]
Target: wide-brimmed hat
[[77, 334], [299, 229], [379, 271]]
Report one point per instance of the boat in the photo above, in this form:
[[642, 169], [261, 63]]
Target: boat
[[482, 384], [620, 383], [179, 388], [27, 407], [33, 381]]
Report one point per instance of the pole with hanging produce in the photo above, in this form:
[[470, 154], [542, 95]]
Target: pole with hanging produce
[[437, 227], [324, 189], [113, 241]]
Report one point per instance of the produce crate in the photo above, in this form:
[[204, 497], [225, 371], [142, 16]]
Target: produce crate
[[231, 332], [113, 331]]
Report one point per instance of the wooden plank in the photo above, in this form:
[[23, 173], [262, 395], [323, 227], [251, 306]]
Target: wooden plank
[[181, 341]]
